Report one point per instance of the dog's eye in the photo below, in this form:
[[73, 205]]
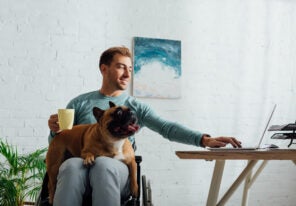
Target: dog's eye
[[119, 112]]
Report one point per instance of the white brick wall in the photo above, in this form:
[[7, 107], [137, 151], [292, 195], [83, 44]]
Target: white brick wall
[[238, 58]]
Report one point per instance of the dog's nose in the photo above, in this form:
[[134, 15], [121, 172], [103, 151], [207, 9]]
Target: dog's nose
[[133, 116], [131, 113]]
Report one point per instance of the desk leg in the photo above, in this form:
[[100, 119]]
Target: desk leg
[[246, 188], [237, 182], [250, 180], [216, 182]]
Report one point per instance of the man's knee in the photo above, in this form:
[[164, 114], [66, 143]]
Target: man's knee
[[109, 176], [108, 164], [73, 167]]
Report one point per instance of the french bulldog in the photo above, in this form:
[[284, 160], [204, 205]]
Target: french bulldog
[[108, 137]]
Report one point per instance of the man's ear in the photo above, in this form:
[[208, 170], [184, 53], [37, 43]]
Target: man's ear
[[103, 68], [111, 104], [98, 113]]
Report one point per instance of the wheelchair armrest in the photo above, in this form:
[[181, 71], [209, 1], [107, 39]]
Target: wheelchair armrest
[[138, 159]]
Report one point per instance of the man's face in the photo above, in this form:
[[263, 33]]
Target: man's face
[[118, 73]]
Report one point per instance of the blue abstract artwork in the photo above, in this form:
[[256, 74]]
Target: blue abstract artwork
[[157, 68]]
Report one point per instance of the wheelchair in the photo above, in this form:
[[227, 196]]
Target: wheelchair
[[42, 199]]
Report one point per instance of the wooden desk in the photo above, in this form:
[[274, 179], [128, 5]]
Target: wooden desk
[[253, 156]]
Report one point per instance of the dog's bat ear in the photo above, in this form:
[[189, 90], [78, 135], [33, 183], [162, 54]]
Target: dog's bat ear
[[98, 113], [111, 104]]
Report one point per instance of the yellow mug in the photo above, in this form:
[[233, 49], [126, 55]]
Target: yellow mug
[[66, 118]]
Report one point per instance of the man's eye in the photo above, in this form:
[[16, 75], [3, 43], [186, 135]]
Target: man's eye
[[122, 66]]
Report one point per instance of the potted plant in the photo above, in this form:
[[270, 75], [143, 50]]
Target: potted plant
[[20, 175]]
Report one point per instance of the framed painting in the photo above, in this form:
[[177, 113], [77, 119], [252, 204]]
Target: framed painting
[[157, 68]]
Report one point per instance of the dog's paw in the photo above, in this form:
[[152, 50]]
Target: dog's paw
[[89, 160]]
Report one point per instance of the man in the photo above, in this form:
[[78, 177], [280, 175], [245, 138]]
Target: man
[[108, 177]]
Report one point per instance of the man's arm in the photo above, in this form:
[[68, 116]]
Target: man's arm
[[177, 132]]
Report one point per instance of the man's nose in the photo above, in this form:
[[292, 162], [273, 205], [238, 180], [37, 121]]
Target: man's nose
[[127, 73]]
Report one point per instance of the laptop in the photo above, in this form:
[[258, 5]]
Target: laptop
[[249, 148]]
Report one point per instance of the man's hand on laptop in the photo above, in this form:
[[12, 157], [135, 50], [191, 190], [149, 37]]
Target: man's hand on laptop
[[208, 141]]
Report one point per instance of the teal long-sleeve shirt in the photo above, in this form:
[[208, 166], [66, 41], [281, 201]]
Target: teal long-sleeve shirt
[[83, 105]]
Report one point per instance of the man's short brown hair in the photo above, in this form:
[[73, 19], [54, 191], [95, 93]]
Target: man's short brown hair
[[107, 56]]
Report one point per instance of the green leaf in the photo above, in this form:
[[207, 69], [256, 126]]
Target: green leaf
[[21, 176]]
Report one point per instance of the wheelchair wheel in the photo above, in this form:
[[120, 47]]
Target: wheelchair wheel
[[146, 191], [40, 202]]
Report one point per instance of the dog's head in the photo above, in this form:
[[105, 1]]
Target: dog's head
[[118, 121]]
